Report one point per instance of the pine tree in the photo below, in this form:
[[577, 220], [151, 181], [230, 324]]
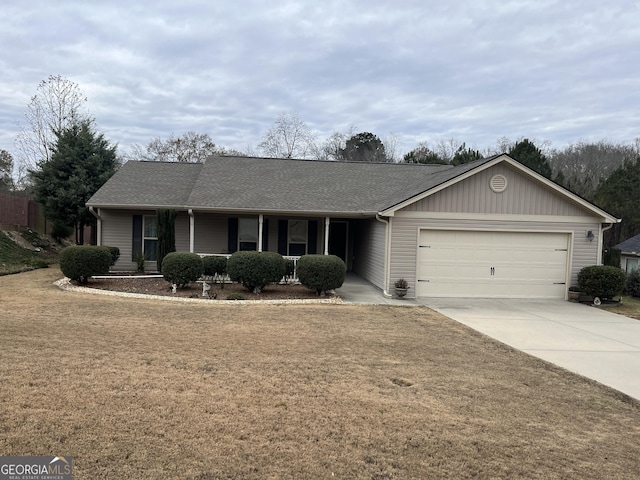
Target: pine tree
[[81, 162]]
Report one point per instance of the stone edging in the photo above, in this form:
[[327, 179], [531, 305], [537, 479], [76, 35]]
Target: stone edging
[[65, 284]]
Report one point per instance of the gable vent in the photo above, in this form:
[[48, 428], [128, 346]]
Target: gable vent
[[498, 183]]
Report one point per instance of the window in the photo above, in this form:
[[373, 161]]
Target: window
[[297, 237], [150, 238], [247, 234], [632, 264]]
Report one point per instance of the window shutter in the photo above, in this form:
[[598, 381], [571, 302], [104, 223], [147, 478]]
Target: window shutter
[[136, 243], [265, 235], [232, 230], [283, 234], [312, 246]]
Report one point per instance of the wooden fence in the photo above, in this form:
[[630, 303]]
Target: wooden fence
[[19, 212]]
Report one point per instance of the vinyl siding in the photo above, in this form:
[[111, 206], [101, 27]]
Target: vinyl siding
[[210, 233], [405, 234], [523, 196], [117, 231], [369, 251]]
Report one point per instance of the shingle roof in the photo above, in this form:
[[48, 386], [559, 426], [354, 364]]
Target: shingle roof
[[631, 245], [273, 185], [154, 184]]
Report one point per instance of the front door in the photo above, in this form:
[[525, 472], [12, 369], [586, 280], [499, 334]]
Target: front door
[[338, 232]]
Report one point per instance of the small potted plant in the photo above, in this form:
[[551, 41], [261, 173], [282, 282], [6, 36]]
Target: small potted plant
[[401, 287], [574, 294]]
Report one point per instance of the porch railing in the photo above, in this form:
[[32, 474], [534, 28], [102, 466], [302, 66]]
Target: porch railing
[[290, 277]]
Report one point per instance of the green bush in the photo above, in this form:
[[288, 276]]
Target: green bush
[[81, 262], [321, 272], [115, 254], [602, 281], [235, 296], [215, 265], [181, 268], [632, 287], [254, 270]]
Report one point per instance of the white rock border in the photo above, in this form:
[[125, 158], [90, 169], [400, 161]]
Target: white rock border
[[65, 284]]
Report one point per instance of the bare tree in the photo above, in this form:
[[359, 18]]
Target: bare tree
[[289, 137], [56, 105], [190, 147], [584, 165]]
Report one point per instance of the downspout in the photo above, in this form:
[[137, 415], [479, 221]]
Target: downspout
[[601, 240], [98, 225], [192, 233], [260, 231], [387, 255]]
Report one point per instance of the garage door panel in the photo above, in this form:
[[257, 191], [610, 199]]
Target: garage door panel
[[492, 264]]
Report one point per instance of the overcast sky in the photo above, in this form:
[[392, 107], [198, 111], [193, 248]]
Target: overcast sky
[[424, 70]]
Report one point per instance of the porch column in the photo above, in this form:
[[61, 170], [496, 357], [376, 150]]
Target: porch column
[[192, 232], [260, 224], [327, 220]]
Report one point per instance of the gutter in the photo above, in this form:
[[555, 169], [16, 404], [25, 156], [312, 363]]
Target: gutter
[[387, 255], [98, 224]]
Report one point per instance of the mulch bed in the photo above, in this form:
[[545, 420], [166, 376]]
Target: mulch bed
[[159, 286]]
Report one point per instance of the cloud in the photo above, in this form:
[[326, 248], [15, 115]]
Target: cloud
[[474, 70]]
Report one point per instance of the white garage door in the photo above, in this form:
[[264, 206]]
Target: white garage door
[[453, 263]]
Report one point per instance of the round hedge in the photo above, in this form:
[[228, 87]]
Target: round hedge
[[79, 262], [602, 281], [255, 270], [180, 268], [214, 265], [321, 272]]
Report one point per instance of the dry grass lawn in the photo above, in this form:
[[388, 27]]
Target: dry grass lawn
[[137, 389]]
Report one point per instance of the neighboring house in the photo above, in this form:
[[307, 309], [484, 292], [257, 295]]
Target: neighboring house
[[629, 253], [489, 228]]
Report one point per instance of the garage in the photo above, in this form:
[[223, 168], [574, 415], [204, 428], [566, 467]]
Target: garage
[[492, 264]]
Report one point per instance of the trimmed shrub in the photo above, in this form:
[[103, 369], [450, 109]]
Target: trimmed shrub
[[254, 270], [214, 265], [632, 286], [81, 262], [602, 281], [115, 254], [181, 268], [321, 272]]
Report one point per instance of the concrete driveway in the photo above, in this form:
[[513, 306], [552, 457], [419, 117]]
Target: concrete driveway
[[590, 341]]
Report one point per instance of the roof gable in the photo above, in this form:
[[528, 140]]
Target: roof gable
[[579, 205]]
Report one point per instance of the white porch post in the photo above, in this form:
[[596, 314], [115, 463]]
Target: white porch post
[[192, 233], [326, 235], [260, 225]]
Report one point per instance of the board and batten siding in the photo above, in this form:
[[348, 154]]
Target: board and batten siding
[[369, 251], [405, 235], [521, 197]]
